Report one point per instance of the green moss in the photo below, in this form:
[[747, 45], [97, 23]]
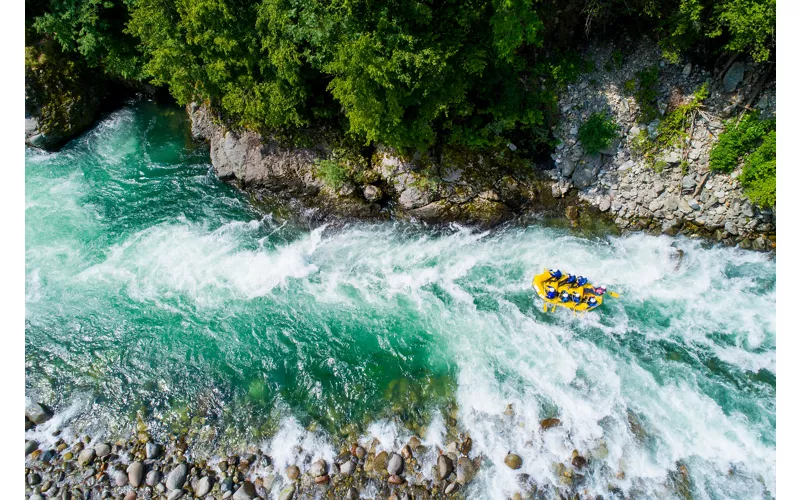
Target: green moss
[[333, 173], [597, 132]]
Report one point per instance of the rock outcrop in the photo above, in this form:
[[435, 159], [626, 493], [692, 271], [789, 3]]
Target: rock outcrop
[[470, 188], [681, 194]]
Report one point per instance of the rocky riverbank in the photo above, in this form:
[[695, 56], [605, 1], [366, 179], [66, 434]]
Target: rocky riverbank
[[141, 468], [677, 195]]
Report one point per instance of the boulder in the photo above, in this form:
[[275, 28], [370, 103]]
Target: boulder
[[577, 460], [567, 167], [586, 170], [38, 413], [733, 77]]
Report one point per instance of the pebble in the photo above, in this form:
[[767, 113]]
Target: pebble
[[347, 468], [293, 472], [120, 478], [152, 478], [318, 468], [288, 493], [177, 477], [444, 466], [513, 461], [152, 450], [135, 474], [102, 450], [245, 492], [85, 457], [131, 495], [203, 487], [30, 447], [395, 465], [175, 494]]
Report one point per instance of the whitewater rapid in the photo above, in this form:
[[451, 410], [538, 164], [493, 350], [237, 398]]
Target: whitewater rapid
[[146, 279]]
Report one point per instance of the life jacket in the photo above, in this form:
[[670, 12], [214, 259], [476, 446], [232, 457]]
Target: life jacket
[[600, 290], [551, 292], [582, 281], [555, 273], [592, 302], [576, 297], [564, 296]]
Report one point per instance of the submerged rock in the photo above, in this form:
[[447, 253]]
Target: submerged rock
[[549, 423], [444, 466], [38, 413], [513, 461]]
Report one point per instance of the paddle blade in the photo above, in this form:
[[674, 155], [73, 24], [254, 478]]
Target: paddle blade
[[614, 294]]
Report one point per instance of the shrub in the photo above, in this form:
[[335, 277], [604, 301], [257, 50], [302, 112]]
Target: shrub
[[759, 173], [332, 173], [597, 132], [737, 141]]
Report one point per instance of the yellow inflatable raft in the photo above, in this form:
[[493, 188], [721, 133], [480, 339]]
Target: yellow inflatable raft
[[584, 294]]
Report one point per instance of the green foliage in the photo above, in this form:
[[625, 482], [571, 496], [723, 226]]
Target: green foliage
[[738, 141], [333, 173], [759, 173], [647, 94], [752, 141], [94, 29], [743, 26], [597, 132], [672, 131], [406, 73]]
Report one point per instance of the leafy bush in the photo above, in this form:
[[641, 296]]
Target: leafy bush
[[759, 173], [332, 173], [737, 141], [597, 132]]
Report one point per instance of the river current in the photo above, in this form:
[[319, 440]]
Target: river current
[[157, 294]]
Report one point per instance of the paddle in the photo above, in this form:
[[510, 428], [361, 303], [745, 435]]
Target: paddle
[[614, 294]]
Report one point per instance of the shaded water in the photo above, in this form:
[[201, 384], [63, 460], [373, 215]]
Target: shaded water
[[155, 292]]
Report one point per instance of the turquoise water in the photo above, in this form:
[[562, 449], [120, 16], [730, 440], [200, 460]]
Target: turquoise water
[[156, 293]]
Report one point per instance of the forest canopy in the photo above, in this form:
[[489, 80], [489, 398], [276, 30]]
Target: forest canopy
[[409, 74]]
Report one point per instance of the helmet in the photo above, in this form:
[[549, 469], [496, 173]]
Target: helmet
[[564, 296], [592, 301], [576, 297]]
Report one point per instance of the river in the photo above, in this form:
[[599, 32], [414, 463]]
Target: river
[[155, 292]]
